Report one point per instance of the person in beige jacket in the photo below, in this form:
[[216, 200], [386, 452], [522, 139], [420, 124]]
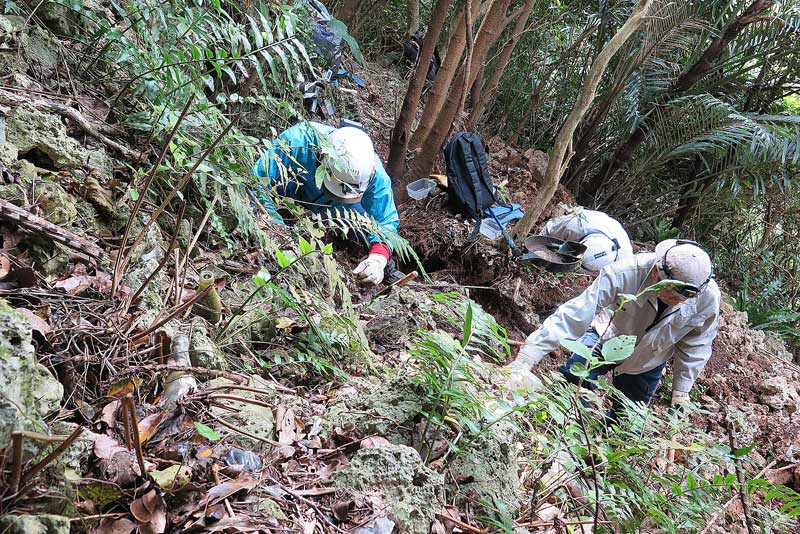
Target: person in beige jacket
[[678, 323]]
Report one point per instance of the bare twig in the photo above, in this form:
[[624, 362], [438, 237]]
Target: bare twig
[[236, 398], [35, 225], [462, 525], [128, 400], [163, 261], [55, 453], [174, 313], [716, 516], [119, 264], [17, 440], [197, 370], [188, 254], [239, 430], [741, 479]]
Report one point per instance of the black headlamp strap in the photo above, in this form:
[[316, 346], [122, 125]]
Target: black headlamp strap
[[668, 271]]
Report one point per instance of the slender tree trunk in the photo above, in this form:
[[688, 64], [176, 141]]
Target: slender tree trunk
[[412, 24], [686, 81], [402, 129], [487, 35], [562, 149], [444, 78], [502, 62]]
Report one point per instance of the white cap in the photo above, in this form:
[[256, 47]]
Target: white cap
[[600, 251], [686, 262], [351, 165]]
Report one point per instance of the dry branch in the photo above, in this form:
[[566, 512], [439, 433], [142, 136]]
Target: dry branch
[[36, 225]]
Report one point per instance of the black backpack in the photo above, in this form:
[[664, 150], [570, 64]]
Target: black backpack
[[411, 49], [470, 189]]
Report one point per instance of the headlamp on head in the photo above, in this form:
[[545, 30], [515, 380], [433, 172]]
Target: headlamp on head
[[686, 289]]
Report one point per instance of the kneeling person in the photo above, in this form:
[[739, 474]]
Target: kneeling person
[[678, 323], [355, 180]]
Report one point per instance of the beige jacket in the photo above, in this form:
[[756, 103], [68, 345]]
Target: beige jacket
[[684, 332]]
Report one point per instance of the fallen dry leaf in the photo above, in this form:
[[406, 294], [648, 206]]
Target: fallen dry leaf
[[286, 426], [105, 447], [373, 441], [98, 195], [78, 284], [226, 489], [37, 323], [124, 387], [148, 425], [5, 266], [151, 512], [114, 526], [75, 284], [109, 414]]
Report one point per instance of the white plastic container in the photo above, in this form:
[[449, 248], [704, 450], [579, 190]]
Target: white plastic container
[[419, 189], [490, 229]]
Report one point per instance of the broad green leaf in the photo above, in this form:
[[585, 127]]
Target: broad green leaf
[[305, 246], [280, 257], [618, 348], [339, 29], [744, 451], [206, 431], [579, 370], [577, 347], [327, 249], [664, 284], [262, 277], [319, 175]]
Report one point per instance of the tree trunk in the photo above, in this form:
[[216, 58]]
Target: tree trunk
[[412, 24], [502, 62], [686, 81], [444, 78], [400, 134], [561, 153], [486, 37]]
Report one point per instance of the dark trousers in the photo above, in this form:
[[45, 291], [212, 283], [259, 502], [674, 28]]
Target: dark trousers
[[638, 388]]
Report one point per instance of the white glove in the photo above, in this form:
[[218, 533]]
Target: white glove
[[370, 271], [520, 376], [679, 398], [521, 380]]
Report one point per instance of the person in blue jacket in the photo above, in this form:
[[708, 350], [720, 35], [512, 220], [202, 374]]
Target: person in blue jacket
[[355, 179]]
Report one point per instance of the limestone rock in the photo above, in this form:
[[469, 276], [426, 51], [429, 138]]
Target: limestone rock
[[387, 409], [28, 387], [57, 205], [202, 349], [396, 482], [256, 420], [487, 469], [34, 524], [42, 138], [779, 394]]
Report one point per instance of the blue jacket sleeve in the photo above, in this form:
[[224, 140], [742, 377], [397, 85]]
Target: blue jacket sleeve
[[295, 148], [378, 201]]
